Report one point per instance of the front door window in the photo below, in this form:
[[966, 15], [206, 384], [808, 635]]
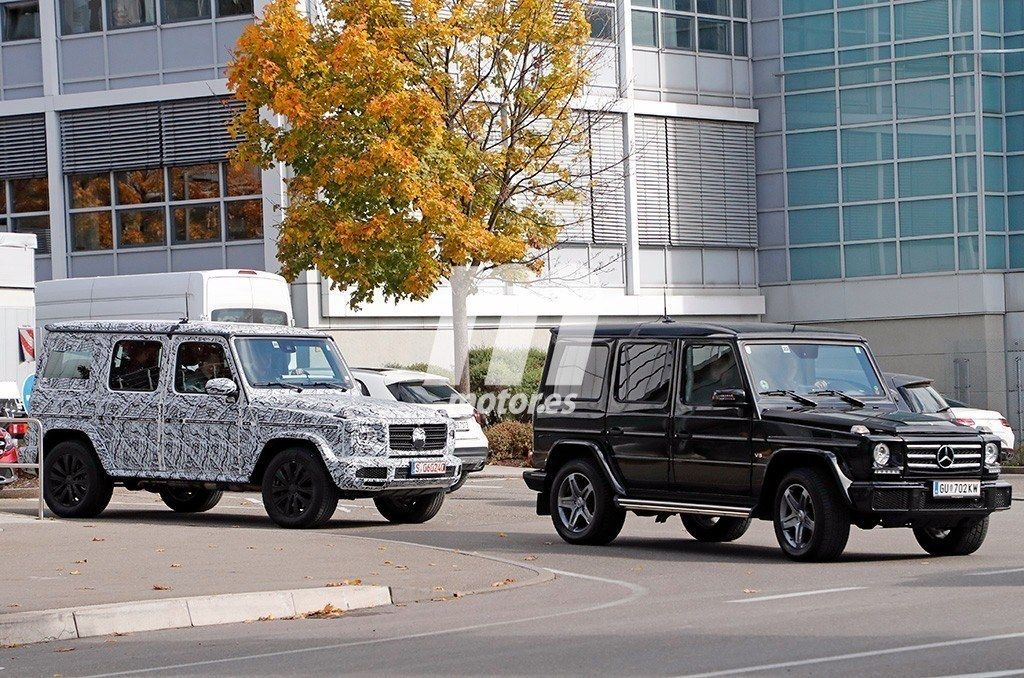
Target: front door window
[[708, 369], [198, 362]]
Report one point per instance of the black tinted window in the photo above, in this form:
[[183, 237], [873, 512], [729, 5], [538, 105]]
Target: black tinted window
[[198, 362], [136, 366], [644, 374], [68, 364], [708, 369], [578, 370]]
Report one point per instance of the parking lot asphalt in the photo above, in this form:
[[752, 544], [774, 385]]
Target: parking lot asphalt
[[654, 602]]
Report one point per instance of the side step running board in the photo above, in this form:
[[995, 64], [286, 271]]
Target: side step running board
[[680, 507]]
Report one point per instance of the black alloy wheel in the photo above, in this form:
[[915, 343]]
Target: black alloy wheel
[[74, 483], [297, 490]]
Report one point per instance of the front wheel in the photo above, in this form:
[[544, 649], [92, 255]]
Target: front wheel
[[811, 521], [715, 528], [297, 490], [190, 499], [961, 539], [75, 485], [416, 509], [583, 506]]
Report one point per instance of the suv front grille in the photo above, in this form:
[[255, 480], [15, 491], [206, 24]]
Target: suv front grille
[[436, 436], [956, 458]]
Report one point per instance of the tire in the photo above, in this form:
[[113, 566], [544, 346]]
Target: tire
[[715, 529], [190, 499], [415, 509], [812, 523], [962, 539], [298, 492], [583, 506], [458, 483], [74, 483]]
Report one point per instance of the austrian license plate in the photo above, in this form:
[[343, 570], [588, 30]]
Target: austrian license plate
[[956, 488], [462, 424], [427, 468]]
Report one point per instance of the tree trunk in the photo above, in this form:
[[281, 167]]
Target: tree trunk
[[461, 282]]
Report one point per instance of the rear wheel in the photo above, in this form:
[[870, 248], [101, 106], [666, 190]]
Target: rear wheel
[[190, 499], [583, 506], [297, 490], [415, 509], [960, 539], [74, 483], [811, 521], [715, 528]]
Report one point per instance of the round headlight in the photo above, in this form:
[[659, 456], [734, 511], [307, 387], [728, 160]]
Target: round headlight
[[991, 454], [881, 454]]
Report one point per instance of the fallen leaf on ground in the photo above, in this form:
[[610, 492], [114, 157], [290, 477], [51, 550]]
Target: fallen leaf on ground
[[328, 611], [65, 649], [751, 590], [160, 550], [161, 587], [401, 567], [14, 605], [388, 562], [344, 582], [83, 560], [439, 588], [506, 582], [98, 539], [530, 558], [175, 564], [502, 535], [74, 572]]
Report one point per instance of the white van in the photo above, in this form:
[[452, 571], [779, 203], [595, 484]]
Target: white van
[[17, 306], [228, 295]]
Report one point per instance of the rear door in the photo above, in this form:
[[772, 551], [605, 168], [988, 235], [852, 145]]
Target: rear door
[[574, 392], [131, 414]]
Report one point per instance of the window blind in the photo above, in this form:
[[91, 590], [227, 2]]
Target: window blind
[[22, 147]]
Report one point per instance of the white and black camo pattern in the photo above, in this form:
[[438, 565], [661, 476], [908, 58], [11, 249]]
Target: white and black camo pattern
[[210, 439]]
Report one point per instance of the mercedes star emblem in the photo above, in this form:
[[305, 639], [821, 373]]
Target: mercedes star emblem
[[945, 456], [419, 438]]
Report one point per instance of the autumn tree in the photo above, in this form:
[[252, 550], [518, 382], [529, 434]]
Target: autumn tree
[[426, 141]]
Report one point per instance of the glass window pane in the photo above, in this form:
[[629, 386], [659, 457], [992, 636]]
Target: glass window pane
[[925, 256], [1014, 133], [869, 222], [243, 180], [708, 369], [863, 144], [128, 13], [1015, 173], [808, 33], [967, 214], [139, 228], [921, 68], [645, 29], [89, 190], [676, 32], [926, 98], [859, 56], [995, 180], [814, 263], [923, 48], [3, 197], [968, 253], [965, 135], [921, 19], [926, 217], [920, 139], [245, 219], [739, 38], [863, 27], [868, 182], [800, 6], [963, 16], [739, 8], [21, 20], [861, 75], [602, 22], [811, 149], [91, 231], [716, 7], [1015, 212], [195, 182], [966, 174], [644, 374], [814, 226], [991, 15], [816, 187], [995, 213], [644, 3], [135, 187], [866, 104], [926, 177], [1016, 251], [992, 94], [233, 7], [804, 111], [963, 94], [713, 36], [184, 10], [822, 75], [80, 16], [1014, 92], [673, 5], [995, 252], [39, 225], [30, 195], [870, 259], [196, 223]]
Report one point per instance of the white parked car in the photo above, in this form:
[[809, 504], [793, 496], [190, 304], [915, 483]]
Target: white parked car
[[431, 390], [990, 419]]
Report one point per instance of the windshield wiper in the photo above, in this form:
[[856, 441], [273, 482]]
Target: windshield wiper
[[856, 402], [325, 384], [279, 384], [792, 394]]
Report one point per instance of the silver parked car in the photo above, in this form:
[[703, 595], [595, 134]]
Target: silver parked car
[[189, 410]]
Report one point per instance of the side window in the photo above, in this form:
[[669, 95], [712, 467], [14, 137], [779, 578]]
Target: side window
[[578, 370], [197, 363], [708, 369], [136, 365], [644, 374], [68, 364]]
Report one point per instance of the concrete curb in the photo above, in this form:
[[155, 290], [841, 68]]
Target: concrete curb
[[172, 613], [1013, 470], [19, 493]]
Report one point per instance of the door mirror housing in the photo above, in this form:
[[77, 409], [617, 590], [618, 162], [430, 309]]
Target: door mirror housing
[[222, 387], [729, 397]]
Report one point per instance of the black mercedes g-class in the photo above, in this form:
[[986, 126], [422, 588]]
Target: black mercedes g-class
[[723, 424]]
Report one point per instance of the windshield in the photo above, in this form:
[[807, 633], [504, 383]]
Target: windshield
[[425, 393], [806, 368], [925, 400], [281, 362]]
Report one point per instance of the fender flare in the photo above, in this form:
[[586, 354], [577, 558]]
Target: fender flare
[[831, 461], [594, 451]]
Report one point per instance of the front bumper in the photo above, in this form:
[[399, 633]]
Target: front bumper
[[915, 498], [372, 474], [473, 458]]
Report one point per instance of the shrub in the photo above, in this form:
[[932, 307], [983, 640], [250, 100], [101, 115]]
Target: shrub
[[510, 441], [504, 367]]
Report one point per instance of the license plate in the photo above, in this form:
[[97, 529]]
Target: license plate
[[462, 424], [956, 488], [427, 468]]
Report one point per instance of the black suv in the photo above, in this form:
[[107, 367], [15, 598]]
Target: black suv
[[723, 424]]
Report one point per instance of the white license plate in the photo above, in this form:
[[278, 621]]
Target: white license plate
[[956, 488], [427, 468], [462, 424]]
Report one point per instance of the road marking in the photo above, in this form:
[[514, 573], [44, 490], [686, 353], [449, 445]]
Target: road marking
[[485, 487], [988, 674], [990, 572], [798, 594], [857, 655]]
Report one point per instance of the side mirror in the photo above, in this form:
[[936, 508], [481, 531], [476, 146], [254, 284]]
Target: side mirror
[[222, 387], [729, 397]]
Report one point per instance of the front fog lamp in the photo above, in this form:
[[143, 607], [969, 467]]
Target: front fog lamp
[[881, 454], [991, 454]]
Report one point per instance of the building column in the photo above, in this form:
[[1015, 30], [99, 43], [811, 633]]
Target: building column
[[626, 78], [54, 167]]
